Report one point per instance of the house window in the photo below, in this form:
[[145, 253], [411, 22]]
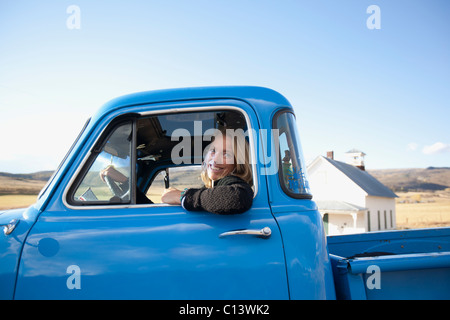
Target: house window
[[379, 220], [291, 169], [325, 223], [368, 221], [390, 216]]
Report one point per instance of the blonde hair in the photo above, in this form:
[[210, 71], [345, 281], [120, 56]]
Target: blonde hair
[[241, 152]]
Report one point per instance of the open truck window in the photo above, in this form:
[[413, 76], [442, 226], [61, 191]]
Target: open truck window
[[141, 157], [114, 156], [179, 177]]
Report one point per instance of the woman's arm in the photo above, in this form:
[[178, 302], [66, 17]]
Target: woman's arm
[[171, 196], [230, 196]]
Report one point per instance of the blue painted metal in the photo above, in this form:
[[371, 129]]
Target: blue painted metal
[[164, 252], [401, 262], [159, 252], [307, 260], [152, 253], [393, 241], [417, 265], [11, 247], [348, 286], [407, 276]]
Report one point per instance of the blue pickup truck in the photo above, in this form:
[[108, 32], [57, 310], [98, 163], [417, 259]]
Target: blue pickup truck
[[91, 238]]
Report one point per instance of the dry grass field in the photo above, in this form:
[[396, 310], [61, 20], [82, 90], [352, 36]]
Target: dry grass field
[[19, 192], [423, 195], [16, 201], [20, 186], [423, 209]]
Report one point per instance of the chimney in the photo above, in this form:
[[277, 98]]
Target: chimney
[[330, 155]]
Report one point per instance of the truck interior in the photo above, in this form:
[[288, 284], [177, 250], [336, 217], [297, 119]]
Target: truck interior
[[164, 150]]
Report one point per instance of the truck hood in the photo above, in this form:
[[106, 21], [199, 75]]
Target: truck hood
[[11, 246], [25, 216], [8, 215]]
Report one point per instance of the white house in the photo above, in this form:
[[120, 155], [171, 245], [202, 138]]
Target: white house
[[350, 200]]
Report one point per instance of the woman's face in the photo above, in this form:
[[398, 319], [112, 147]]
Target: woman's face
[[220, 158]]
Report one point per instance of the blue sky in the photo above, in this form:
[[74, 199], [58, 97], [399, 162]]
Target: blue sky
[[384, 91]]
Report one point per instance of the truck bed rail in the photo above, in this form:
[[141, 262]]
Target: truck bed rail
[[402, 276]]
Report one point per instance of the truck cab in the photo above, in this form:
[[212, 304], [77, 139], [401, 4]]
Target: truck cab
[[88, 237]]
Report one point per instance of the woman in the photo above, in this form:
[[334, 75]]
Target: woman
[[227, 176]]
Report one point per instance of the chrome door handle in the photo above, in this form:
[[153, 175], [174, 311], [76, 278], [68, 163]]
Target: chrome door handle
[[263, 233]]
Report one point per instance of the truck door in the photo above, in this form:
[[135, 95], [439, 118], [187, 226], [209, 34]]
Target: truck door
[[98, 241]]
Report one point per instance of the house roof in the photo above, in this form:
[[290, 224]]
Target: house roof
[[363, 179]]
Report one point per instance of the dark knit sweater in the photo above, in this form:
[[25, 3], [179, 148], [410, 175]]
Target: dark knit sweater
[[229, 195]]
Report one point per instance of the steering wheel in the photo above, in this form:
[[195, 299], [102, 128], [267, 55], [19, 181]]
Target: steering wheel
[[115, 189]]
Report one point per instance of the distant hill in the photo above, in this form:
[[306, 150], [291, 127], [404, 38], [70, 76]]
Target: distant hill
[[41, 175], [429, 179], [28, 183]]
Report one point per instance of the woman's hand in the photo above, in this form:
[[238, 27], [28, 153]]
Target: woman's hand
[[171, 196], [113, 174]]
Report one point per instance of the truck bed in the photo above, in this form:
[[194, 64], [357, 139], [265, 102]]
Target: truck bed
[[407, 264]]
